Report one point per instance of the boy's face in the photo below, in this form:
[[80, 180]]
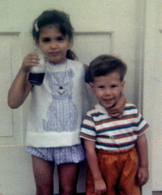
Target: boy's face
[[107, 89]]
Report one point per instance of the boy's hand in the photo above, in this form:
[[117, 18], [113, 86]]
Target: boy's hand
[[32, 59], [100, 187], [142, 175]]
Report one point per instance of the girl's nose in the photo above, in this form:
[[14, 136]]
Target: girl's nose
[[53, 45]]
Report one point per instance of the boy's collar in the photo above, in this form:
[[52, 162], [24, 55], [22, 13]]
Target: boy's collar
[[101, 109]]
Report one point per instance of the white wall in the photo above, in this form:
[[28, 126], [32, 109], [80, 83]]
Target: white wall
[[133, 31], [152, 96]]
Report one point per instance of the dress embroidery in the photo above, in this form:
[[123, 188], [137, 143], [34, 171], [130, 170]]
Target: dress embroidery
[[62, 113]]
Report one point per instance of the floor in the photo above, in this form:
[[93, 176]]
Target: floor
[[153, 193]]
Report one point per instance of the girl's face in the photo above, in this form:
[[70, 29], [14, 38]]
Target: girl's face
[[53, 44], [108, 89]]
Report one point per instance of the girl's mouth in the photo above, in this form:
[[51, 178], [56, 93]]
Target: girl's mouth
[[54, 53]]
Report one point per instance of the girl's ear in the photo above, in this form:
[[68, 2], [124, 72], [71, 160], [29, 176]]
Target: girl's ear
[[36, 42], [92, 87], [70, 44]]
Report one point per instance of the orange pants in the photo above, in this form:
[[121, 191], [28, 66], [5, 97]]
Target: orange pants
[[119, 170]]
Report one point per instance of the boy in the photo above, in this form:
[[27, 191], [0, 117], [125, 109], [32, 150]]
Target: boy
[[113, 145]]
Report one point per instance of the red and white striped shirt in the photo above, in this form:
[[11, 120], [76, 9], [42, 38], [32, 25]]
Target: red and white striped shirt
[[113, 133]]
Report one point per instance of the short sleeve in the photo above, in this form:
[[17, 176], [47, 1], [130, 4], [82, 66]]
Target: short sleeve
[[88, 129], [141, 124]]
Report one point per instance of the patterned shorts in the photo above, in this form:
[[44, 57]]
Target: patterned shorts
[[60, 155]]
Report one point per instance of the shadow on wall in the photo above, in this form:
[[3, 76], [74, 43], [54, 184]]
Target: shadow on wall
[[157, 193]]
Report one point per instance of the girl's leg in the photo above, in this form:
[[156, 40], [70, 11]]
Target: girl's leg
[[68, 176], [43, 173]]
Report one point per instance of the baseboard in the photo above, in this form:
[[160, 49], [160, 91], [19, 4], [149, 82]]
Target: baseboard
[[77, 193]]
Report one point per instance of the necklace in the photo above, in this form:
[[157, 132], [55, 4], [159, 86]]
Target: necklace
[[61, 89]]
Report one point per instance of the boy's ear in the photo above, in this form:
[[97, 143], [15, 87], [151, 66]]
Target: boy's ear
[[92, 87], [123, 84]]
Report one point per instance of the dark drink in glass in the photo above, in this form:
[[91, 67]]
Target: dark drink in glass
[[37, 73], [36, 78]]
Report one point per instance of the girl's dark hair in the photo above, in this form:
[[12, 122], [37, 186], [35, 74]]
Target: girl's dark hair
[[103, 65], [61, 20]]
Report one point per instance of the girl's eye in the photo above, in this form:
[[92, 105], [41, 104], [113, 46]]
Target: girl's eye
[[46, 40]]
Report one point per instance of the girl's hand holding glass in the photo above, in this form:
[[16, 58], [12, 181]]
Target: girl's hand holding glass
[[32, 59], [37, 67]]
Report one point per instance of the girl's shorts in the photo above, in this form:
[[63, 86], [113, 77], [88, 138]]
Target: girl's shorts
[[60, 155], [119, 171]]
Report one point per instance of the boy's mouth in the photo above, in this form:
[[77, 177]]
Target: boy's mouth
[[108, 100]]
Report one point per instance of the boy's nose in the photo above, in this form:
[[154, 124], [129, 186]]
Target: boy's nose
[[107, 92]]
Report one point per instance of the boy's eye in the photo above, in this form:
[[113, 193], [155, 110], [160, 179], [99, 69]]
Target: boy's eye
[[60, 38], [113, 86], [101, 86]]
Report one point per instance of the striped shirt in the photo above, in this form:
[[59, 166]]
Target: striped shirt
[[112, 133]]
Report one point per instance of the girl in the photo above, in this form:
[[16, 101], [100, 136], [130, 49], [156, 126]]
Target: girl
[[56, 106]]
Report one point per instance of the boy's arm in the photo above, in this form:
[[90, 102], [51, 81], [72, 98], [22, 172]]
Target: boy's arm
[[20, 87], [143, 173], [99, 184], [118, 109]]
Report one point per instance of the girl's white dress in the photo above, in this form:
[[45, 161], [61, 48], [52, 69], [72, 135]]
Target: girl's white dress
[[54, 119]]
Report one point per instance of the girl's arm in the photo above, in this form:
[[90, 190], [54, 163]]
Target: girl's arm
[[20, 87], [99, 184], [143, 173], [118, 109]]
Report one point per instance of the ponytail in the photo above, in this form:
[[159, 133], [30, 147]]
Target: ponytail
[[71, 55]]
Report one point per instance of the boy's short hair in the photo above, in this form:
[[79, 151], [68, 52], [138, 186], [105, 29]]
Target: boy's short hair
[[103, 65]]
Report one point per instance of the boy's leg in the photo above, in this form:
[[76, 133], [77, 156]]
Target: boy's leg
[[119, 170], [68, 176], [128, 180], [43, 173]]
